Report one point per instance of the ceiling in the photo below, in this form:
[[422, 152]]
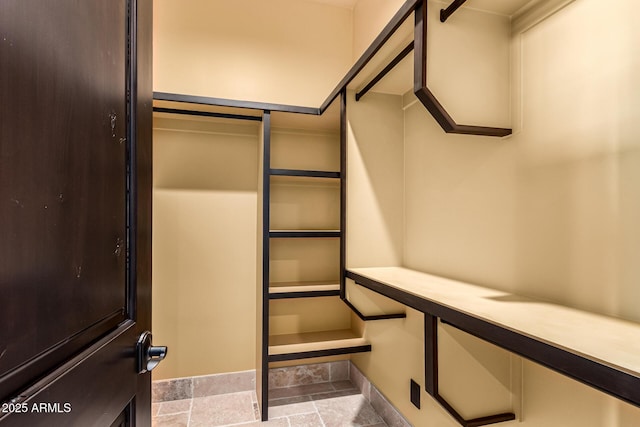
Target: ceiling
[[349, 4], [502, 7]]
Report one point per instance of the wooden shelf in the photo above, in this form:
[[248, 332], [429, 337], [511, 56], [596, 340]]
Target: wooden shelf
[[284, 290], [304, 173], [597, 350], [303, 233], [315, 344]]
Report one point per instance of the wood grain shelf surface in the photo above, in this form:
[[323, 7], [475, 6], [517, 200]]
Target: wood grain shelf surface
[[303, 289], [304, 173], [303, 233], [601, 351], [312, 344]]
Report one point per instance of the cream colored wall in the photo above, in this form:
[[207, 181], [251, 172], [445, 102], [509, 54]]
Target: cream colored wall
[[204, 244], [369, 18], [375, 194], [548, 212], [587, 249], [375, 182], [279, 51]]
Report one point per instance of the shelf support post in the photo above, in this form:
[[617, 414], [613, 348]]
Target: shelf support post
[[343, 193], [262, 377], [431, 380]]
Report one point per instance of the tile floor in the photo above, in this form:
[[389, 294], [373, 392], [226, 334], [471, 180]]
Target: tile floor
[[329, 404]]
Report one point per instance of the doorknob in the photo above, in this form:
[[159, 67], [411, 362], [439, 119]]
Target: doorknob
[[148, 356]]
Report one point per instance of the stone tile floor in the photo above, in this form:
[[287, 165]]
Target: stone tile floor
[[331, 404]]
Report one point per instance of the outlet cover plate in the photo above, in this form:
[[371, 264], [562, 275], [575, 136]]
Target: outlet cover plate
[[415, 394]]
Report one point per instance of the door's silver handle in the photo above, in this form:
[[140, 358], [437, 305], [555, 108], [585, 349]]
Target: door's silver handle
[[148, 356]]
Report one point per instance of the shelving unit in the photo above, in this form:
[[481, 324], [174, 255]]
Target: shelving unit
[[302, 223]]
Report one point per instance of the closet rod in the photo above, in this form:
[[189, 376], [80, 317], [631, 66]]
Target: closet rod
[[395, 61], [398, 19], [222, 102], [206, 114], [446, 13]]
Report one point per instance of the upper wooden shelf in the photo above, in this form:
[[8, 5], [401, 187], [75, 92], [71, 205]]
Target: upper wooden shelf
[[303, 233], [601, 351], [301, 173]]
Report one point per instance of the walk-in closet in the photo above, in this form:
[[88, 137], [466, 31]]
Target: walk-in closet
[[425, 207]]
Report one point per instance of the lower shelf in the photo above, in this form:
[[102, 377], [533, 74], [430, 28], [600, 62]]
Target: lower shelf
[[315, 344], [303, 290]]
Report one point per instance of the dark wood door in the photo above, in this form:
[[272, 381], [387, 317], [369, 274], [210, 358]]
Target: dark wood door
[[75, 211]]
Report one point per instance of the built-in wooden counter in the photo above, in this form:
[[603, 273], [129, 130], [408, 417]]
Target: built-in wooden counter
[[600, 351]]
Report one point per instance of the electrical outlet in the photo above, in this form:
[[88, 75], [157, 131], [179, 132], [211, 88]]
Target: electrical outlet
[[415, 394]]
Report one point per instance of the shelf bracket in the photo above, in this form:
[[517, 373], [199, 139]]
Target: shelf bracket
[[431, 383], [375, 316], [395, 61], [426, 97], [446, 13]]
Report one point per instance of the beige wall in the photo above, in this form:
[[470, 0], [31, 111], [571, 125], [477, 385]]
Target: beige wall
[[369, 18], [204, 244], [375, 184], [312, 143], [548, 212], [280, 51]]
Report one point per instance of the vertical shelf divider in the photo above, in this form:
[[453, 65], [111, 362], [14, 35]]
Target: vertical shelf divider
[[266, 215], [343, 193]]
